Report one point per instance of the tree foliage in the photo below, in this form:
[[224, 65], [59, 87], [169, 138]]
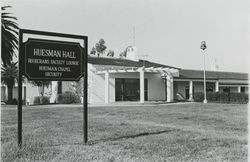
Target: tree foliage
[[123, 54], [111, 53], [9, 75], [99, 48], [9, 36]]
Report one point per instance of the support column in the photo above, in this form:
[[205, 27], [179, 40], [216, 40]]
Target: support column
[[170, 89], [190, 90], [239, 89], [106, 87], [217, 86], [142, 85], [53, 92]]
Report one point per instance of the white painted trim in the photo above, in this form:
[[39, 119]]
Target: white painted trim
[[194, 80], [142, 85], [190, 90], [217, 86], [236, 85], [107, 87]]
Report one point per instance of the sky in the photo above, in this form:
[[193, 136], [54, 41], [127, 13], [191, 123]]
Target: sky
[[167, 31]]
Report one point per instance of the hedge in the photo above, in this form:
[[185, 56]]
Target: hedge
[[14, 102], [68, 98], [222, 97], [41, 100]]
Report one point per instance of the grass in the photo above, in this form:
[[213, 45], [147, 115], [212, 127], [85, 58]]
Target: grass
[[178, 132]]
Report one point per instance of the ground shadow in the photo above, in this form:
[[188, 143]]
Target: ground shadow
[[129, 136], [110, 139]]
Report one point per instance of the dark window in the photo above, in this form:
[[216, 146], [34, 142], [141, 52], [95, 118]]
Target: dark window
[[226, 89], [59, 88], [209, 89], [129, 89], [242, 89]]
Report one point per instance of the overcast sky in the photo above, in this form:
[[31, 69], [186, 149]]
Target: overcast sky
[[168, 31]]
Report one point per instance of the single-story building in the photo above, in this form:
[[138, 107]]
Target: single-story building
[[130, 79]]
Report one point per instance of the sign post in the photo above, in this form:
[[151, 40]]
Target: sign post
[[50, 60]]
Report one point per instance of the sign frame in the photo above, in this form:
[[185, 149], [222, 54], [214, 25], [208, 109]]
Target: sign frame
[[84, 62], [50, 42]]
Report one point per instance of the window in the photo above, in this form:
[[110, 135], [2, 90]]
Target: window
[[242, 89], [209, 89], [59, 88], [129, 89], [226, 89]]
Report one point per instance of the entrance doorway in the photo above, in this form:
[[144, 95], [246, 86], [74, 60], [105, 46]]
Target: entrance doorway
[[129, 89]]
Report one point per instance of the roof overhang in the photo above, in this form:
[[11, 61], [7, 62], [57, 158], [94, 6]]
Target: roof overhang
[[125, 69]]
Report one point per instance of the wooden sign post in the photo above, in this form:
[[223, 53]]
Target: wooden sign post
[[50, 60]]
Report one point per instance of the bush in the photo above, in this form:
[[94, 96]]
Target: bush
[[222, 97], [14, 102], [68, 98], [36, 100], [238, 98], [41, 100], [198, 96]]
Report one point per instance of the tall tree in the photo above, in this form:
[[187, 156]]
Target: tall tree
[[99, 48], [9, 36], [9, 74]]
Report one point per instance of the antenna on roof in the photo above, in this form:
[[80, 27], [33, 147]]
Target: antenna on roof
[[134, 35]]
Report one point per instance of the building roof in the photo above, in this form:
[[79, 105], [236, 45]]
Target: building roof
[[124, 62], [198, 74], [183, 73]]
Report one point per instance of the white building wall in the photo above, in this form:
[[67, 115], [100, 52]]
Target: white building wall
[[156, 87], [31, 92], [97, 91]]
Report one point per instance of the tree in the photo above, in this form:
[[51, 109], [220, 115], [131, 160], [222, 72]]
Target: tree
[[9, 75], [111, 53], [93, 51], [9, 36], [123, 54], [99, 48]]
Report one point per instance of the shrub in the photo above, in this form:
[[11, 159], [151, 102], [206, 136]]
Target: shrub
[[69, 97], [238, 98], [41, 100], [44, 100], [198, 96], [222, 97], [59, 98], [36, 100], [12, 102]]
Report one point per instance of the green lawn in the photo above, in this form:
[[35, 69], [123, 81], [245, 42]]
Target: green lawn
[[177, 132]]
